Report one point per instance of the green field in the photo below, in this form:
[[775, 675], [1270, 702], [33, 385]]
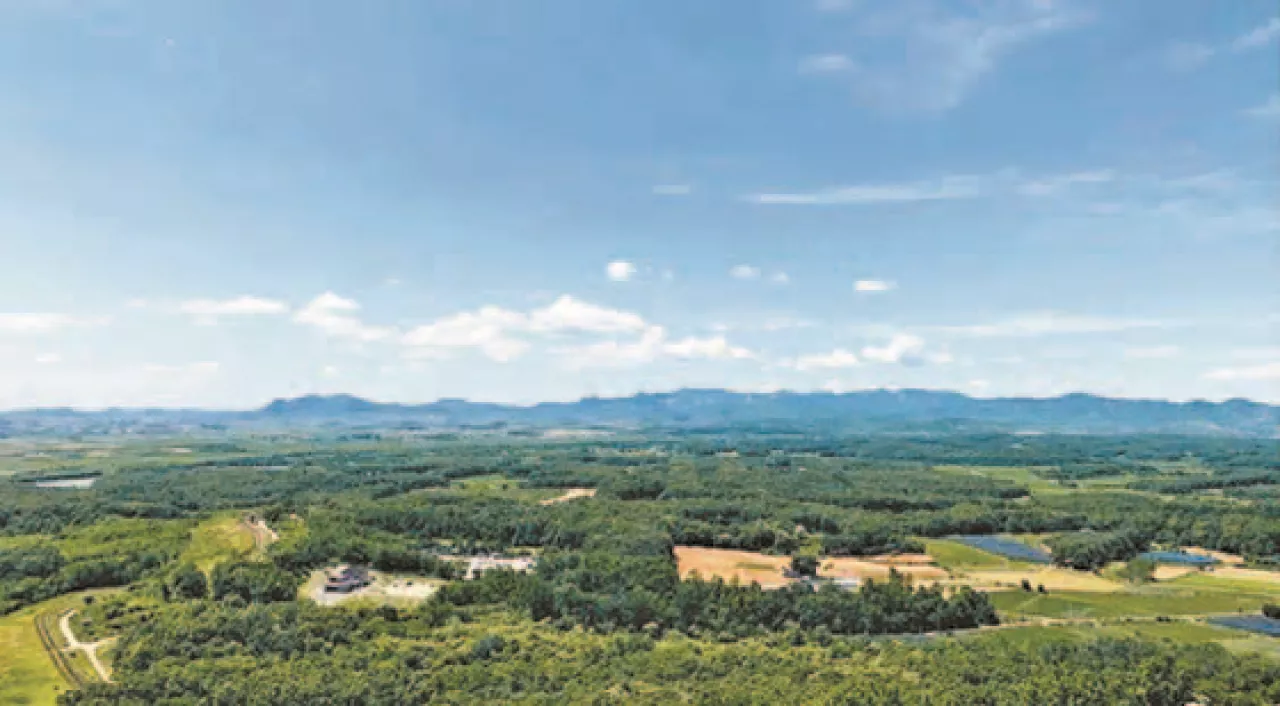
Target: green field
[[222, 538], [1183, 632], [1169, 599], [956, 556], [27, 675]]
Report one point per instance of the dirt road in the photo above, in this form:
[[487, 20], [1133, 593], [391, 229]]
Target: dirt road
[[90, 649]]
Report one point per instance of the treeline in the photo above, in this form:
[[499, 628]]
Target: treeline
[[1089, 551], [114, 553], [1193, 483], [713, 607]]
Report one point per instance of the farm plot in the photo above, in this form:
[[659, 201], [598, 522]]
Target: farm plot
[[768, 571], [730, 564], [1250, 623], [1002, 546]]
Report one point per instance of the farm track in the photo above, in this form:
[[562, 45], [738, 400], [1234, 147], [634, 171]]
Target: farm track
[[90, 649], [56, 654]]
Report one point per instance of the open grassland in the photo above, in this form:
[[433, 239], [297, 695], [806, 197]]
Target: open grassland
[[1052, 578], [225, 537], [1174, 598], [27, 673]]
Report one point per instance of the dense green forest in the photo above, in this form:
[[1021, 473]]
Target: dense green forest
[[608, 610]]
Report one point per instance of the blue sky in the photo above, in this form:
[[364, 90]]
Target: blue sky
[[217, 203]]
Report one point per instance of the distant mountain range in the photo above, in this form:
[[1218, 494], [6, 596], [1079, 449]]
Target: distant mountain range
[[876, 410]]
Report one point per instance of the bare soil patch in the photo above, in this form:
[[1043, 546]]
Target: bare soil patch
[[730, 564], [570, 494], [878, 568]]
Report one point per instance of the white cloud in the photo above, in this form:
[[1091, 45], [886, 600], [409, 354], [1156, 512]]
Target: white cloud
[[1259, 36], [934, 58], [36, 323], [712, 348], [48, 358], [493, 330], [1185, 56], [979, 385], [208, 310], [744, 272], [650, 346], [946, 188], [330, 371], [780, 278], [392, 282], [620, 270], [1269, 110], [1056, 184], [825, 64], [569, 314], [1264, 371], [1151, 352], [838, 358], [673, 189], [334, 315], [901, 346], [486, 329], [873, 285], [1049, 323]]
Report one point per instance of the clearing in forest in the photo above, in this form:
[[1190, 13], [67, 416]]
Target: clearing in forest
[[730, 564], [223, 538], [570, 494], [1052, 578], [385, 589], [766, 570], [916, 570]]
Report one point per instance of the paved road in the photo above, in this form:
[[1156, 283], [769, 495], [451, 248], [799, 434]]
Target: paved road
[[89, 648]]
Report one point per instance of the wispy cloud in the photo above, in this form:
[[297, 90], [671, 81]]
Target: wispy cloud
[[1185, 56], [946, 188], [940, 54], [38, 323], [1259, 36], [673, 189], [1263, 371], [836, 359], [826, 64], [651, 345], [1269, 110], [1054, 323], [744, 272], [1054, 185], [780, 278]]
